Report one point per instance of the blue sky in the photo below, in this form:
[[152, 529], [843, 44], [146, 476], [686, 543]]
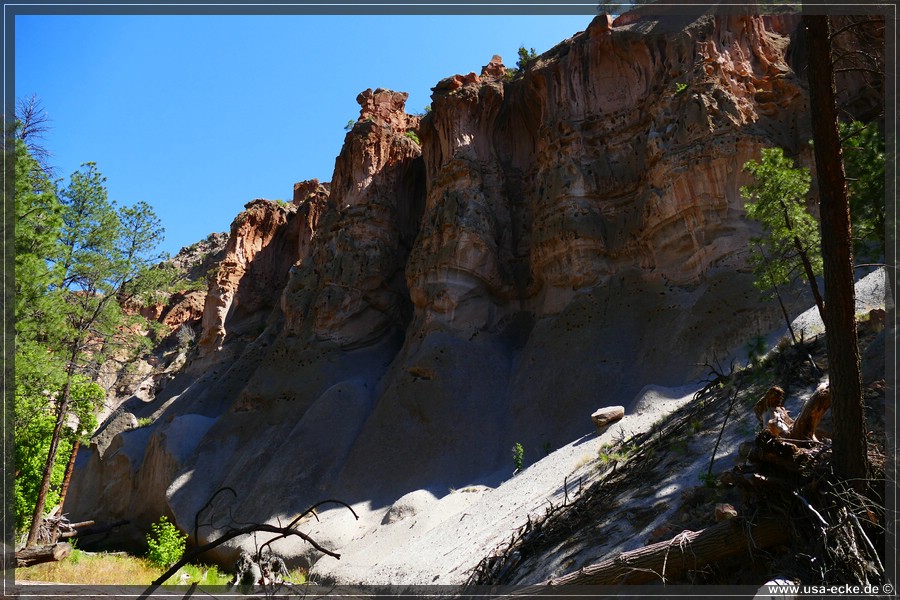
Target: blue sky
[[198, 115]]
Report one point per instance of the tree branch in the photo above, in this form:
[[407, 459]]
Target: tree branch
[[664, 560], [281, 532]]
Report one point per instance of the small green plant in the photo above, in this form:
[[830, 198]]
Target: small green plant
[[518, 453], [166, 544], [708, 479], [680, 88], [412, 135], [200, 574], [608, 454], [144, 422], [427, 108], [349, 124], [696, 425], [525, 57], [756, 348]]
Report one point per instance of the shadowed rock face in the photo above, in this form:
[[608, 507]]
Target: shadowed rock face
[[555, 243]]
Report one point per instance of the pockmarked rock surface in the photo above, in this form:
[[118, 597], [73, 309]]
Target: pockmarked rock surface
[[485, 275]]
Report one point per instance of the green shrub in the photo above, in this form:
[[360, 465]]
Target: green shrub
[[518, 453], [756, 349], [607, 452], [412, 135], [680, 88], [166, 544]]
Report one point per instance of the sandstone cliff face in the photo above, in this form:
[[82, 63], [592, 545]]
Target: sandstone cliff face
[[259, 253], [348, 286], [555, 243]]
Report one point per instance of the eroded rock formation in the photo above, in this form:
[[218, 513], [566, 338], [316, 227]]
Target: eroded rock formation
[[246, 283], [534, 248]]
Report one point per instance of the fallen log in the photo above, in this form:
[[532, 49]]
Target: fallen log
[[665, 560], [92, 528], [36, 555], [82, 524]]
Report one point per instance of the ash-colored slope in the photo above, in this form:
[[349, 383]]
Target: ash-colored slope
[[439, 536], [454, 528]]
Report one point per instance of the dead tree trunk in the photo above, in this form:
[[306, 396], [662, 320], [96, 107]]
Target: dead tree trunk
[[686, 551], [87, 528], [35, 555]]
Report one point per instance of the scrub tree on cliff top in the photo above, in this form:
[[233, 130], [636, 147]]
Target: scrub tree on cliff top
[[104, 255]]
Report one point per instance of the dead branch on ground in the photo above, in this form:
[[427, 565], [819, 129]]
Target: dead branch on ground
[[689, 550], [281, 532]]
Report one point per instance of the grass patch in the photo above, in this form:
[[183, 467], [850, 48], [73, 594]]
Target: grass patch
[[93, 569], [615, 452], [82, 568], [199, 574]]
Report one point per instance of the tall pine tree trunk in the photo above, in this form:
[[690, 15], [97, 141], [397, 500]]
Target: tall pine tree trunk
[[68, 475], [849, 440], [41, 501]]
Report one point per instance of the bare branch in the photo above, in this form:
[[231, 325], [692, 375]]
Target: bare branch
[[860, 70], [854, 25], [33, 119], [190, 555], [33, 124], [281, 533]]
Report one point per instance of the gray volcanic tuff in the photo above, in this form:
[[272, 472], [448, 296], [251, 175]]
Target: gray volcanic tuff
[[541, 247]]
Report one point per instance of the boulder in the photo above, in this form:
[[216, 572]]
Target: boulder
[[604, 417]]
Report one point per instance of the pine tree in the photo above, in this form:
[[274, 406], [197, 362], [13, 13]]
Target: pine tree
[[103, 257], [790, 247]]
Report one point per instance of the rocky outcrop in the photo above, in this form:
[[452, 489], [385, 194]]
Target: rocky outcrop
[[532, 248], [257, 258], [196, 260], [179, 310], [348, 286]]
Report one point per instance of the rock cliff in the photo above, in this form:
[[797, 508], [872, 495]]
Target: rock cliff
[[531, 249]]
